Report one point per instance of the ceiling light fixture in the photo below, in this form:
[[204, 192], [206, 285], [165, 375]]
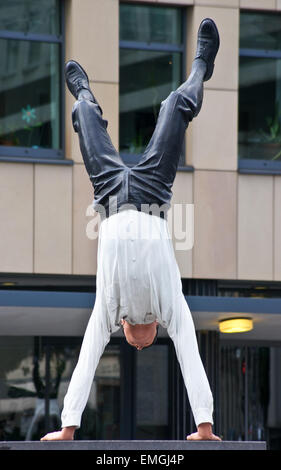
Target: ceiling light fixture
[[235, 325]]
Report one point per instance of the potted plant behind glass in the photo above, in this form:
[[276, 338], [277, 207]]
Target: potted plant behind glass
[[29, 115], [271, 137], [8, 137]]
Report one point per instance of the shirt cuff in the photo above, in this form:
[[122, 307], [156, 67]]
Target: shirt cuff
[[203, 415], [71, 419]]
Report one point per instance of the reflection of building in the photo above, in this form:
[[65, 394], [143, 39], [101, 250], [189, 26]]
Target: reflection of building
[[48, 264], [29, 76]]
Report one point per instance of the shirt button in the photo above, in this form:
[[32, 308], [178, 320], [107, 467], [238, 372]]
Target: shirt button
[[133, 259], [134, 277]]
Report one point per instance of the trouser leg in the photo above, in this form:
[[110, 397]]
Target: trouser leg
[[163, 151], [96, 146], [102, 161]]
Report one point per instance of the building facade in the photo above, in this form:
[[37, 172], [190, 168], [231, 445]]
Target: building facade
[[135, 53]]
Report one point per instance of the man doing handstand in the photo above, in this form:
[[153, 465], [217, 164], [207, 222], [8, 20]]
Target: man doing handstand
[[138, 280]]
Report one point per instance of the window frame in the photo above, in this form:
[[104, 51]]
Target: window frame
[[27, 154], [252, 165], [132, 159]]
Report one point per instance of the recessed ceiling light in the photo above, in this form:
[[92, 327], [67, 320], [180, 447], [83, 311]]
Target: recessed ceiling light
[[235, 325]]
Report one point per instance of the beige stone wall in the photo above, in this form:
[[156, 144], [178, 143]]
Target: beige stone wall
[[16, 217], [237, 225], [96, 47], [237, 217]]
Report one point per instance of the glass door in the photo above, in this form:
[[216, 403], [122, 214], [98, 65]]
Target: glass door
[[250, 393]]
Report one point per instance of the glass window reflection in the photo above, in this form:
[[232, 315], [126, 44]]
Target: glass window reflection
[[260, 31], [260, 87], [17, 389], [29, 94], [260, 108], [24, 391], [150, 24], [147, 73], [245, 374], [146, 79], [152, 387], [29, 16]]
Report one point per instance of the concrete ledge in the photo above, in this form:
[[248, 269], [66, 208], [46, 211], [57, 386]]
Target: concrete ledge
[[133, 445]]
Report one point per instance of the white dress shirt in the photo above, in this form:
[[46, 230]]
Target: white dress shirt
[[138, 280]]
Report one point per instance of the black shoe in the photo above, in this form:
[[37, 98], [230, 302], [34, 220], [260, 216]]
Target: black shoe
[[76, 78], [208, 43]]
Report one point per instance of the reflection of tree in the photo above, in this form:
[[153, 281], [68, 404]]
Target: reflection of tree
[[11, 361], [46, 389], [25, 362], [57, 362], [57, 366]]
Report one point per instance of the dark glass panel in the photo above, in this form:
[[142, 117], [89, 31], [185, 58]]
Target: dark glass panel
[[150, 24], [260, 108], [152, 393], [260, 31], [29, 16], [30, 94], [146, 79]]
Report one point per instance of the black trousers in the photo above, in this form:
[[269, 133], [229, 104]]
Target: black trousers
[[147, 185]]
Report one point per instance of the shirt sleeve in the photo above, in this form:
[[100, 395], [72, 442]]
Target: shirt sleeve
[[182, 332], [96, 338]]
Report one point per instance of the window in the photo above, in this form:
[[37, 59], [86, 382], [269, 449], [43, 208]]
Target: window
[[151, 55], [30, 78], [249, 403], [260, 91], [34, 376], [35, 372]]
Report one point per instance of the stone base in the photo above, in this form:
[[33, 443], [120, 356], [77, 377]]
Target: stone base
[[133, 445]]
